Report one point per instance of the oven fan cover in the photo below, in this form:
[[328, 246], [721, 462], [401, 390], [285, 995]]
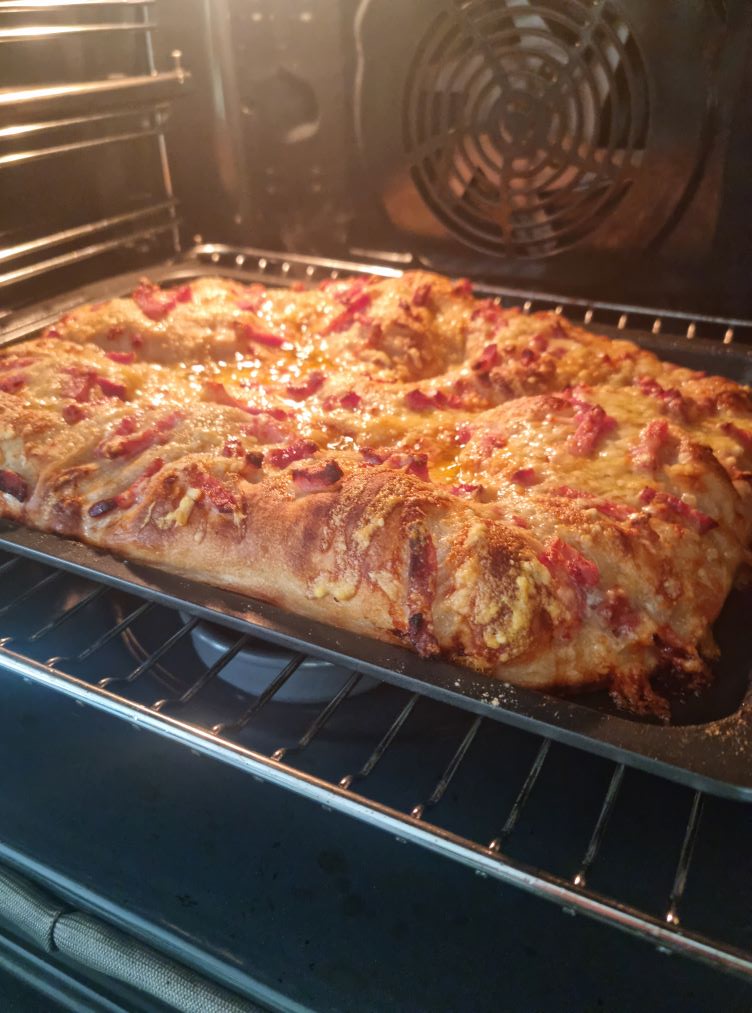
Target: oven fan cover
[[526, 128]]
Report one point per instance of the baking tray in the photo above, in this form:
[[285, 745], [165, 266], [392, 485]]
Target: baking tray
[[707, 745]]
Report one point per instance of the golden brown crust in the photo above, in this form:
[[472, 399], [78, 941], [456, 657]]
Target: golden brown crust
[[399, 459]]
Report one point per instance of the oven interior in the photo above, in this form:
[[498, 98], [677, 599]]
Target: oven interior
[[550, 150]]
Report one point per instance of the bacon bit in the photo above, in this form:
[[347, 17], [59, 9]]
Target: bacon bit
[[675, 404], [568, 492], [251, 299], [115, 333], [344, 320], [14, 485], [73, 413], [371, 456], [467, 490], [519, 521], [317, 479], [137, 340], [463, 434], [490, 442], [486, 361], [617, 613], [297, 286], [350, 400], [112, 388], [275, 413], [52, 332], [13, 383], [217, 491], [525, 476], [126, 358], [154, 302], [665, 505], [16, 362], [103, 506], [561, 556], [83, 382], [128, 497], [184, 293], [539, 342], [422, 294], [616, 511], [418, 401], [127, 426], [742, 436], [281, 457], [414, 464], [421, 580], [654, 438], [254, 459], [220, 395], [462, 287], [258, 336], [489, 311], [130, 445], [355, 299], [592, 425], [130, 442], [528, 356], [312, 383], [234, 448]]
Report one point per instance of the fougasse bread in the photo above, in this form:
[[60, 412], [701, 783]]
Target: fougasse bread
[[398, 458]]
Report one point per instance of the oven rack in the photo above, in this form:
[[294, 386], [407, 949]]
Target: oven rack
[[186, 713], [53, 120]]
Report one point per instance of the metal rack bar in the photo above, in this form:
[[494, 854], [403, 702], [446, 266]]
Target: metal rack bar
[[320, 720], [53, 263], [57, 621], [45, 6], [381, 748], [80, 231], [106, 637], [25, 129], [206, 678], [600, 826], [497, 844], [287, 672], [41, 33], [18, 102], [40, 585], [9, 565], [452, 767], [22, 157], [685, 857], [151, 659]]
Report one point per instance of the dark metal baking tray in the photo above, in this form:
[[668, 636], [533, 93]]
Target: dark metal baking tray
[[708, 744]]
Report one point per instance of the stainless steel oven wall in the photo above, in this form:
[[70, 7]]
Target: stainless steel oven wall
[[560, 145]]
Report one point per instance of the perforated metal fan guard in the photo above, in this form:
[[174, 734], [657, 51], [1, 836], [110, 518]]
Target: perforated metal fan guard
[[530, 127]]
